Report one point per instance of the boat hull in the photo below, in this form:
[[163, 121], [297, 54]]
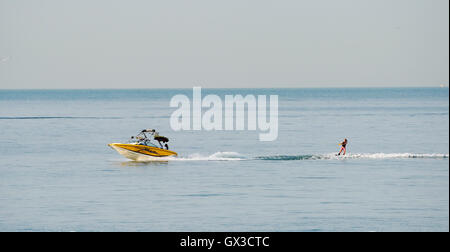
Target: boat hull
[[141, 152]]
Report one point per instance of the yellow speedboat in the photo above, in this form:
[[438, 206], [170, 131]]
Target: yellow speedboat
[[141, 147]]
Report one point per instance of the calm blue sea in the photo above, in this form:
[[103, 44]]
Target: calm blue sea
[[58, 174]]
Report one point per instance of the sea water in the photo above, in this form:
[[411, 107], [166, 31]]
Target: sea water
[[58, 174]]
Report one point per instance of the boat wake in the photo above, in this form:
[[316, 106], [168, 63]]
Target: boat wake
[[218, 156], [234, 156], [353, 156]]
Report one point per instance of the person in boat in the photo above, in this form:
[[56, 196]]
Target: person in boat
[[160, 139], [139, 140], [167, 146], [343, 147]]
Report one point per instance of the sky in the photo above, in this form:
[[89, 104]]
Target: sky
[[62, 44]]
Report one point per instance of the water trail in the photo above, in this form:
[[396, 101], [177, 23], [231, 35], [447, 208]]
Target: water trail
[[218, 156], [353, 156], [234, 156]]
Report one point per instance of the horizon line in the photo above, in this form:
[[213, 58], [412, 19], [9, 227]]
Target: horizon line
[[174, 88]]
